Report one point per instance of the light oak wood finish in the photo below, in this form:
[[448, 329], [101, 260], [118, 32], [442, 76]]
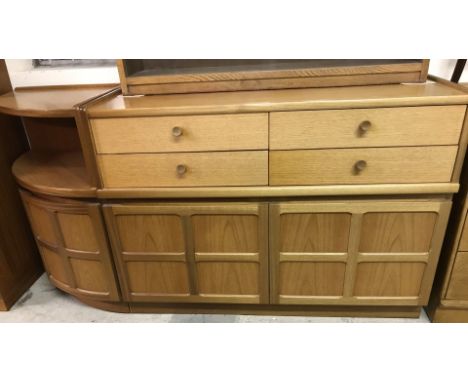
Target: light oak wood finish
[[59, 174], [181, 134], [381, 165], [326, 253], [213, 252], [279, 191], [383, 127], [352, 97], [49, 102], [242, 168], [355, 252], [317, 73], [72, 241]]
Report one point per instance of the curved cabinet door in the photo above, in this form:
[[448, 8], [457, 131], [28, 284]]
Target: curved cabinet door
[[196, 252], [378, 252], [73, 245]]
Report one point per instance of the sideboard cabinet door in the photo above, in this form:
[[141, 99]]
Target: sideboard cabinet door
[[72, 241], [196, 252], [355, 252]]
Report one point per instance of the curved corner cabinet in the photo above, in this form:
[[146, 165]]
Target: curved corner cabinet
[[73, 244], [310, 201]]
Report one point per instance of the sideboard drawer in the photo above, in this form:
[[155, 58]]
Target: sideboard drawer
[[181, 133], [405, 126], [361, 166], [239, 168]]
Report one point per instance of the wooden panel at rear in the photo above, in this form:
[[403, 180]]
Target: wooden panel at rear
[[458, 284], [243, 168], [197, 133], [407, 126], [325, 232], [382, 165], [397, 231], [311, 279], [389, 279]]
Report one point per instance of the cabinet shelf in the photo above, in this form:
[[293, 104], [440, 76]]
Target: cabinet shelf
[[50, 101], [57, 174]]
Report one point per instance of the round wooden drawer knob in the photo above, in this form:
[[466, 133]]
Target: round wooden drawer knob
[[364, 127], [181, 169], [177, 131], [359, 166]]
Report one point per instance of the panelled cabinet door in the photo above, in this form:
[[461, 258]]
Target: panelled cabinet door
[[191, 252], [355, 252], [73, 245]]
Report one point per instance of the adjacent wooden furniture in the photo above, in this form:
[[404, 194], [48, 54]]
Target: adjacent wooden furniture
[[449, 297], [194, 76], [20, 264], [330, 201]]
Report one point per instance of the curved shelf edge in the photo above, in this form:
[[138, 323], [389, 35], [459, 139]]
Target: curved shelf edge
[[50, 101], [58, 174]]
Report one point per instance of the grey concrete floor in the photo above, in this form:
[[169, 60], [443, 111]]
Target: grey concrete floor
[[44, 303]]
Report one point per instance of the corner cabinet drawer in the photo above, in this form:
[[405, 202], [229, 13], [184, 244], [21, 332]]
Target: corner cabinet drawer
[[242, 168], [406, 126], [181, 134], [361, 166]]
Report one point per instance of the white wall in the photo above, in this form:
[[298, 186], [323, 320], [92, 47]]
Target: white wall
[[22, 73], [444, 69]]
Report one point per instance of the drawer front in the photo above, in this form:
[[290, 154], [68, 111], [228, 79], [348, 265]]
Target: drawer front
[[181, 134], [243, 168], [407, 126], [361, 166]]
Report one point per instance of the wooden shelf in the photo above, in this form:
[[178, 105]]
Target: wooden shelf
[[51, 101], [57, 174]]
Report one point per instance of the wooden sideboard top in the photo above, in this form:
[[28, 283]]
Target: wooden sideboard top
[[429, 93], [50, 101]]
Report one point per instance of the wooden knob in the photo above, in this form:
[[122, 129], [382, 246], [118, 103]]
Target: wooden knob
[[364, 127], [181, 169], [359, 166], [177, 131]]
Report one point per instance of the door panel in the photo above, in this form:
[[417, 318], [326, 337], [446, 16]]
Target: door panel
[[191, 252], [73, 245], [375, 252]]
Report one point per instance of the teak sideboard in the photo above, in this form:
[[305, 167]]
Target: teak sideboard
[[330, 201]]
